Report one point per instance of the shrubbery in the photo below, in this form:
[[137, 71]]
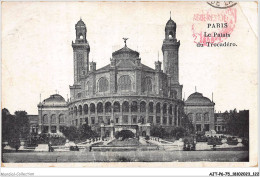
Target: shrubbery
[[214, 141], [71, 133], [177, 132], [159, 131], [189, 144], [124, 134], [46, 138], [15, 143], [82, 133], [245, 142]]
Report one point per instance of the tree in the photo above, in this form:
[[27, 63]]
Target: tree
[[71, 133], [22, 124], [187, 125], [125, 134], [15, 127], [237, 123], [8, 121], [86, 132], [80, 134], [178, 132], [158, 131]]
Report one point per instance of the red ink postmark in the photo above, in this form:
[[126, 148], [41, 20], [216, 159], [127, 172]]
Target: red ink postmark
[[212, 27]]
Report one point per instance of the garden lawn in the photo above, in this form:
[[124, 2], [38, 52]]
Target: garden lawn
[[126, 142]]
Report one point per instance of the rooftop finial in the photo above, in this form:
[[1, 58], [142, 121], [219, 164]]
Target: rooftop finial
[[125, 39], [195, 88], [170, 15], [80, 18], [158, 55], [212, 96]]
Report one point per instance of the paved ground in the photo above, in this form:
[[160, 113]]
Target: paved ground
[[132, 156]]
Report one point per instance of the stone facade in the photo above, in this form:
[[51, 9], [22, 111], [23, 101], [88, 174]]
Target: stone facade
[[200, 111], [34, 124], [220, 122], [53, 114], [124, 94]]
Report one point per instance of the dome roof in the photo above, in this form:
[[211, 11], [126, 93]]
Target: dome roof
[[125, 53], [170, 23], [54, 100], [198, 98], [80, 23]]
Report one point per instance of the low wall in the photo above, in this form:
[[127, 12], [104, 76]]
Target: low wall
[[125, 148]]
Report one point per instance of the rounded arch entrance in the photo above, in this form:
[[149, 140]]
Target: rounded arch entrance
[[144, 133]]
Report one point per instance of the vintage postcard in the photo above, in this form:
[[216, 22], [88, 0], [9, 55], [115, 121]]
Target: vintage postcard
[[129, 84]]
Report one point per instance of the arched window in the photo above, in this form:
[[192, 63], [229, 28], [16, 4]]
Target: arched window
[[141, 120], [100, 107], [170, 110], [86, 120], [151, 107], [206, 117], [75, 110], [164, 108], [170, 120], [45, 118], [170, 35], [53, 118], [61, 118], [190, 116], [142, 106], [92, 108], [125, 107], [87, 87], [147, 85], [124, 83], [116, 107], [158, 108], [103, 84], [198, 117], [107, 107], [174, 94], [85, 108], [134, 106], [80, 110]]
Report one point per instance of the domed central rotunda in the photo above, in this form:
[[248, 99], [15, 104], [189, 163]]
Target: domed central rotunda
[[124, 94]]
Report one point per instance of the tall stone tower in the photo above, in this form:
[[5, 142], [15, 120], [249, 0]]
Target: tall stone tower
[[81, 51], [170, 49]]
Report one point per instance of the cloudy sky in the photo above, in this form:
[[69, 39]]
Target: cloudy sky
[[37, 57]]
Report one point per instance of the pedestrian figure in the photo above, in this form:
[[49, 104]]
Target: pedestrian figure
[[77, 149], [214, 147], [49, 145]]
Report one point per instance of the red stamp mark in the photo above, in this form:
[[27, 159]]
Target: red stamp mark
[[213, 27]]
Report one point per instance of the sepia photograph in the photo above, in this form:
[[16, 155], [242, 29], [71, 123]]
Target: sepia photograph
[[157, 84]]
